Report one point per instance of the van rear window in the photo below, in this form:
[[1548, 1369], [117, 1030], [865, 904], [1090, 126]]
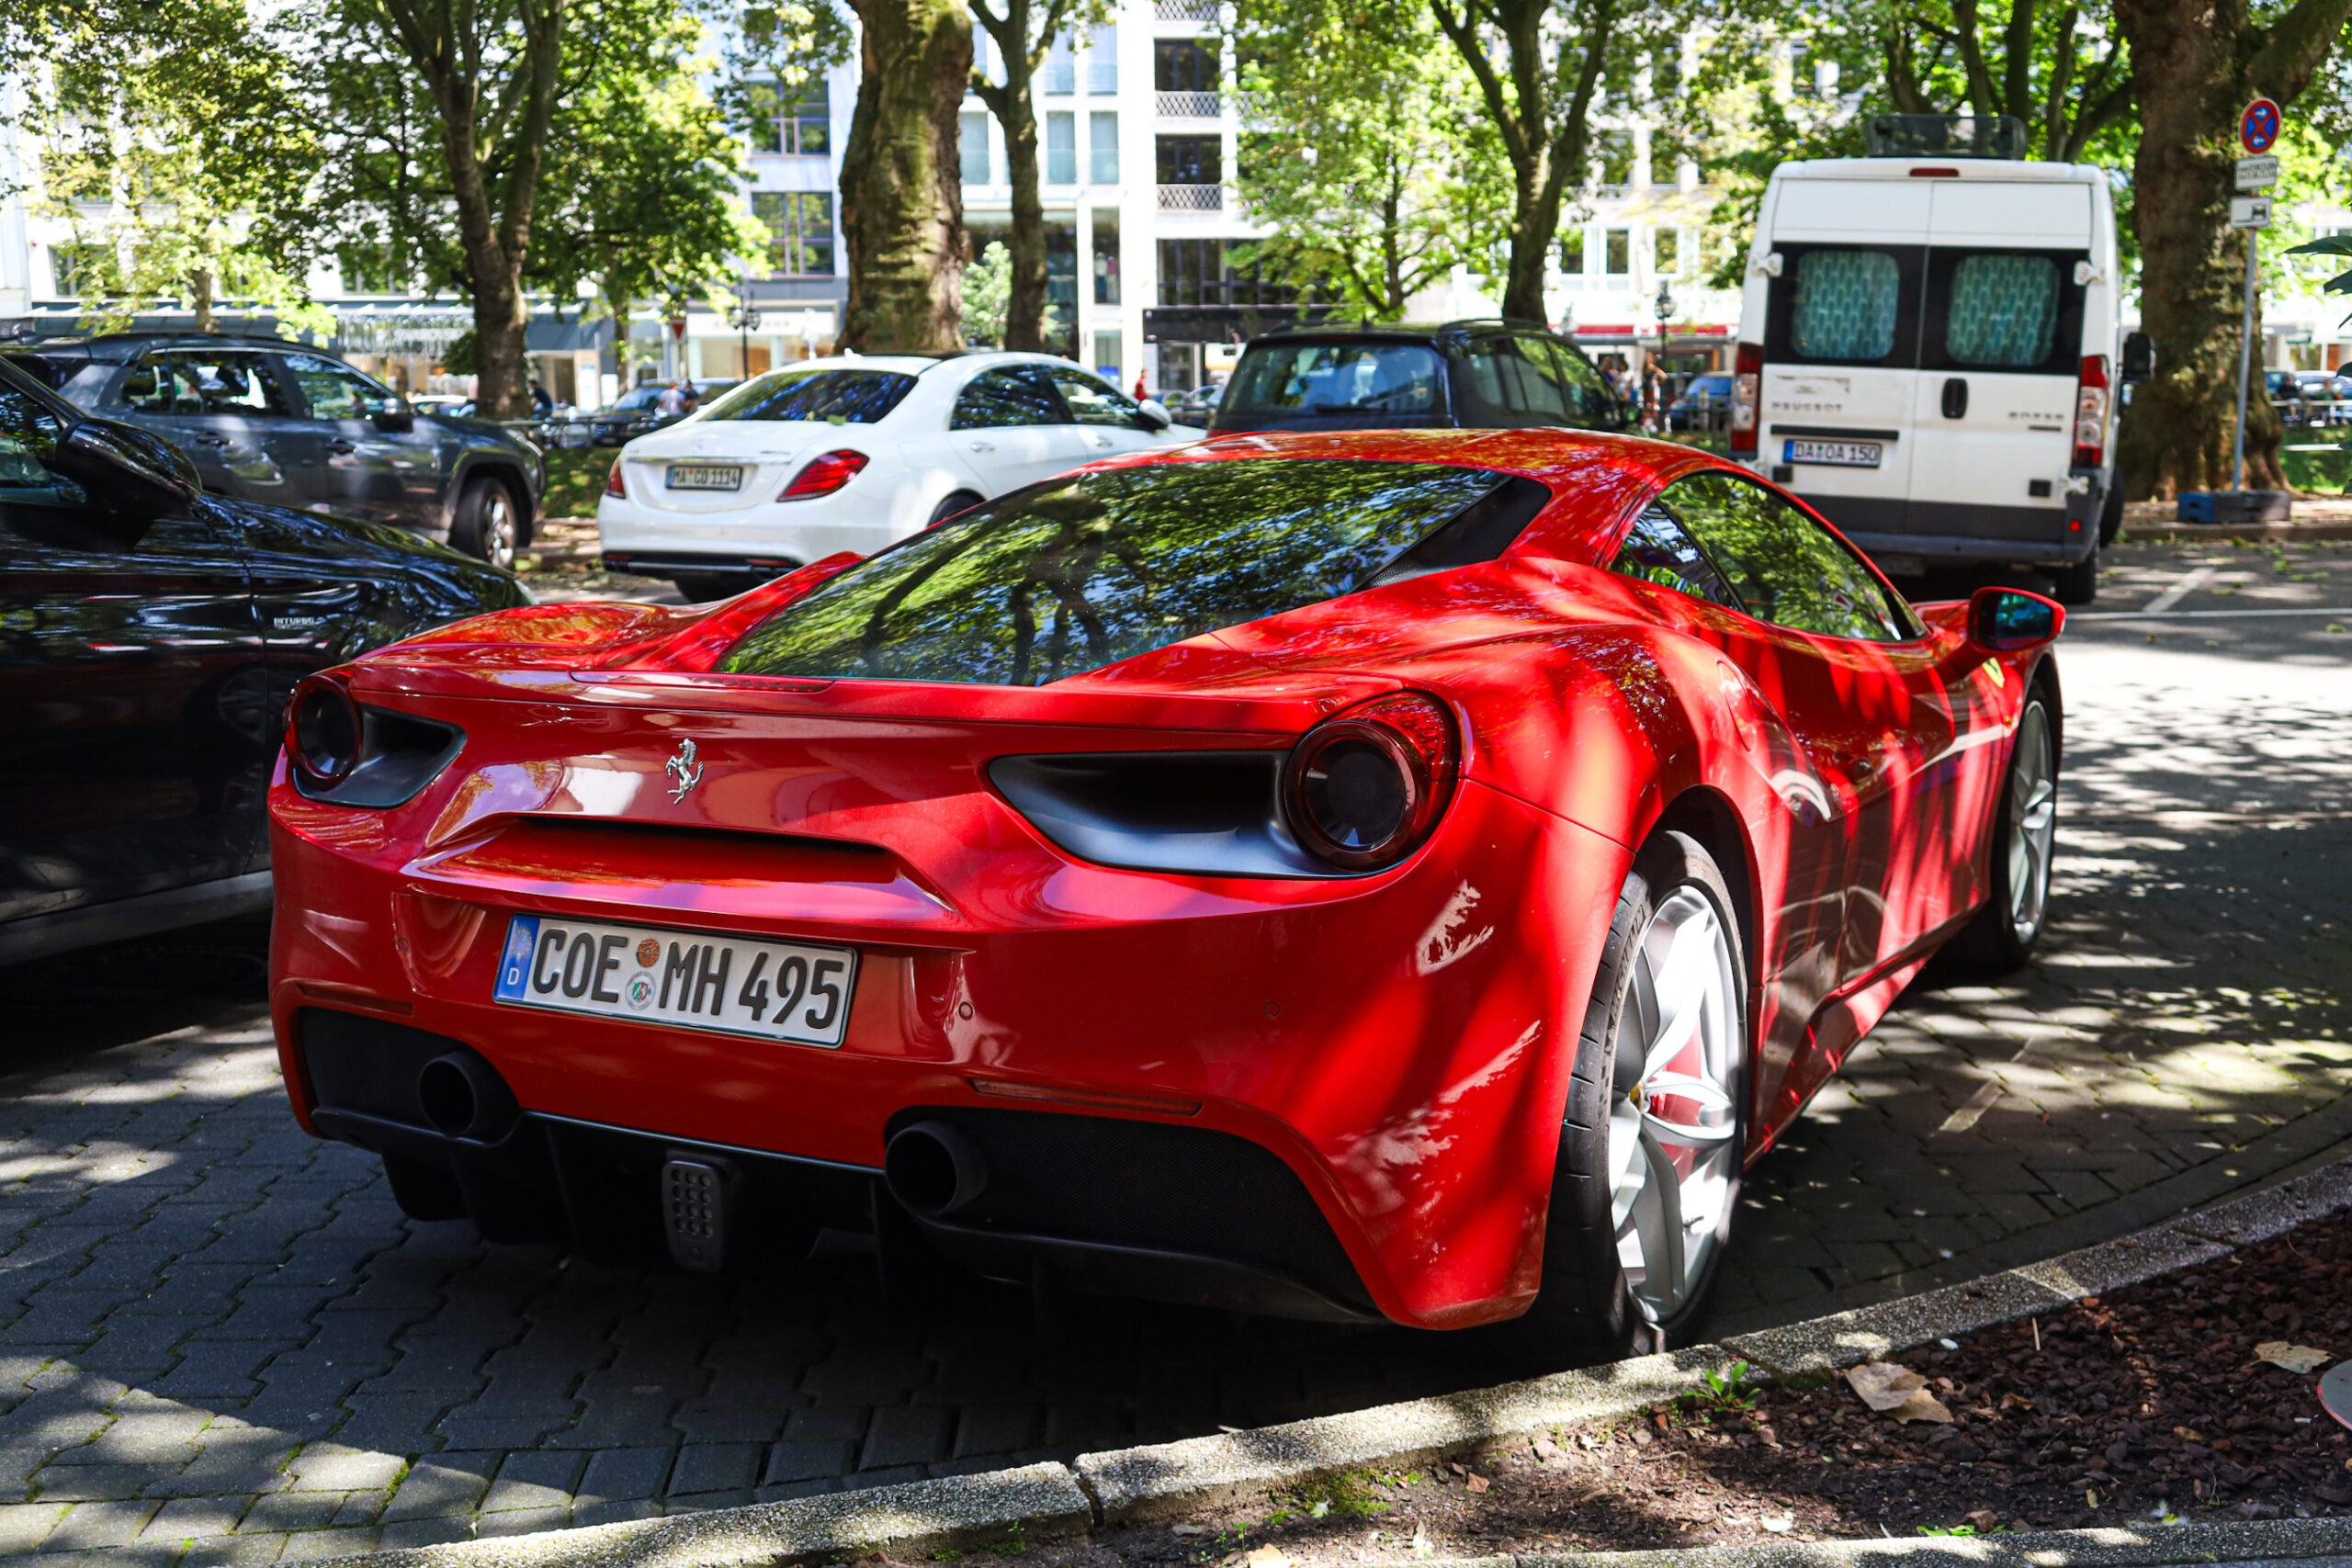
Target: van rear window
[[1846, 305], [2002, 311]]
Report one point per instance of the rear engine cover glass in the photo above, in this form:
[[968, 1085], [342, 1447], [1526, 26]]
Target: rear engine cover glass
[[1083, 573]]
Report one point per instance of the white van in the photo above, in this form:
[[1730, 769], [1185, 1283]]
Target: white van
[[1928, 348]]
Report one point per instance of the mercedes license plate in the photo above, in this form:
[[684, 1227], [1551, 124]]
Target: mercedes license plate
[[726, 985], [1837, 454], [706, 476]]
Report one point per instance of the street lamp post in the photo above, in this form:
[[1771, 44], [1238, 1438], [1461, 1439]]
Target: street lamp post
[[743, 317]]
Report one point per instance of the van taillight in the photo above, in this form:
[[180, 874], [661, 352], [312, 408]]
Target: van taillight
[[2091, 413], [1747, 387]]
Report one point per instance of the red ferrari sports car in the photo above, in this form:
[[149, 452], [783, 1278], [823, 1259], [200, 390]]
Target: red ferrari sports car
[[1358, 876]]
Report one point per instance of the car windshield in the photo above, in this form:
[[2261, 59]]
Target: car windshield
[[836, 397], [1080, 573], [641, 397], [1326, 380]]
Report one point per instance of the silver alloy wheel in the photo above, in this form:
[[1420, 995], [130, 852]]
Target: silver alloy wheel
[[498, 528], [1673, 1125], [2033, 822]]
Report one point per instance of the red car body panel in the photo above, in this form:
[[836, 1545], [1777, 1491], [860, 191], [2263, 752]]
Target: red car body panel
[[1401, 1040]]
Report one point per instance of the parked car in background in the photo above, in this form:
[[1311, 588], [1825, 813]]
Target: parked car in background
[[1197, 405], [148, 636], [832, 454], [1492, 374], [637, 411], [1704, 405], [2326, 395], [270, 421]]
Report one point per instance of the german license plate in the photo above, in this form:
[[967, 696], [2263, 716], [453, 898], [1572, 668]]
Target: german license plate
[[1837, 454], [726, 985], [706, 476]]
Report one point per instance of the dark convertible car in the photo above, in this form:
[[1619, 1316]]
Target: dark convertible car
[[271, 420], [148, 636]]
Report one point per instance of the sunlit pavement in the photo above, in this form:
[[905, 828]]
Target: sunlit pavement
[[219, 1331]]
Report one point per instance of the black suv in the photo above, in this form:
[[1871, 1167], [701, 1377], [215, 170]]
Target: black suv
[[1474, 375], [271, 420]]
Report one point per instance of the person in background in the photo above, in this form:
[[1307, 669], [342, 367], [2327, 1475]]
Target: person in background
[[1140, 394], [541, 404], [1652, 397], [671, 403]]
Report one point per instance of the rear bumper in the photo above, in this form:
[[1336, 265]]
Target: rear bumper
[[2058, 533], [1397, 1047]]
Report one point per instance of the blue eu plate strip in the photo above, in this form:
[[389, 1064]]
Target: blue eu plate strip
[[514, 969]]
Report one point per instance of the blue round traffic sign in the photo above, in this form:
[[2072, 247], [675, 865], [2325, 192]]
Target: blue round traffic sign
[[2258, 125]]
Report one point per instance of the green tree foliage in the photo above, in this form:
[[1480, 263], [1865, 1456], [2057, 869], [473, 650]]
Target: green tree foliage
[[987, 286], [1362, 151], [171, 143]]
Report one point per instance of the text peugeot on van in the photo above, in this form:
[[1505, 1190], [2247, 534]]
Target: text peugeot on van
[[1930, 345]]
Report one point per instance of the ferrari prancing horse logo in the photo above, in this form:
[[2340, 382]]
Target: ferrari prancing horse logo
[[684, 771]]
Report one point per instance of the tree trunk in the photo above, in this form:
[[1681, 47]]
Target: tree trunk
[[1532, 225], [903, 194], [2192, 69], [200, 295], [1024, 309]]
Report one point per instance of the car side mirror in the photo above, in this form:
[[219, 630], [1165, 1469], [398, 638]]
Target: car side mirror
[[2009, 620], [1153, 415], [133, 473], [2139, 358], [394, 416]]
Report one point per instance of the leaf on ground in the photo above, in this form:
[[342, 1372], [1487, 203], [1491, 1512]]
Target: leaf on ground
[[2295, 1358], [1898, 1391], [1477, 1483]]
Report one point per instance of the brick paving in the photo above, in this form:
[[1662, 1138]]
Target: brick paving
[[220, 1342]]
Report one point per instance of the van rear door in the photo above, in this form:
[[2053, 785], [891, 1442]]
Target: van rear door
[[2000, 346], [1841, 345]]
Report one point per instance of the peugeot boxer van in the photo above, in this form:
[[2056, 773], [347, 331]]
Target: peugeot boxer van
[[1929, 347]]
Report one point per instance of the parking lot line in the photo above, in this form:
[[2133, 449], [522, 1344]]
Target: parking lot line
[[2188, 584]]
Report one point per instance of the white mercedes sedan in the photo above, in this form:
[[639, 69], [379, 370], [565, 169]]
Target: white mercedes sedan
[[851, 454]]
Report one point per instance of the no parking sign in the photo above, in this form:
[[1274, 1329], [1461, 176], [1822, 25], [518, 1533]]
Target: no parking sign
[[2258, 125]]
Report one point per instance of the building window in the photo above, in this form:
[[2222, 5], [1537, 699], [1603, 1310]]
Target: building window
[[1061, 149], [1614, 152], [1198, 272], [796, 121], [1107, 356], [973, 132], [801, 224], [1060, 73], [1183, 65], [1103, 59], [1618, 251], [1106, 255], [1190, 161], [1103, 147], [1669, 253], [73, 269], [1572, 251]]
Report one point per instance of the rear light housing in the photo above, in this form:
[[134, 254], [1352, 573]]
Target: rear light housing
[[347, 753], [824, 474], [2091, 401], [1746, 390], [613, 481], [1362, 789]]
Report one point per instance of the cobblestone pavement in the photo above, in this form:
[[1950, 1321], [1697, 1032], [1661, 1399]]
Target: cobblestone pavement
[[220, 1338]]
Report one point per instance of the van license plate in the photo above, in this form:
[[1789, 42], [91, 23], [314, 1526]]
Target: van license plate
[[681, 476], [785, 991], [1837, 454]]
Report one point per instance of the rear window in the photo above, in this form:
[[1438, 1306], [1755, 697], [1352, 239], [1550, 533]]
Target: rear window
[[2003, 313], [1388, 383], [1846, 305], [1081, 573], [836, 397]]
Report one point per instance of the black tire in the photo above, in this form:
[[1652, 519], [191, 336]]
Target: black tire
[[961, 501], [2078, 583], [1587, 1304], [488, 525], [2110, 513], [1997, 942], [424, 1190]]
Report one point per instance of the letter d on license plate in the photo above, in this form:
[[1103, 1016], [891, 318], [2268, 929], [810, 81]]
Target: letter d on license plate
[[724, 985]]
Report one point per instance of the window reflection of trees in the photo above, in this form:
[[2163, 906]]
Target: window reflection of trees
[[1076, 574], [1784, 566]]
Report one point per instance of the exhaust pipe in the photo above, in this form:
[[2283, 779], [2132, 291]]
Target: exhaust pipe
[[933, 1170], [463, 1097]]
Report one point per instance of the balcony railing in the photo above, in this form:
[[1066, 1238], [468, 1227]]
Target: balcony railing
[[1191, 199], [1184, 10], [1188, 105]]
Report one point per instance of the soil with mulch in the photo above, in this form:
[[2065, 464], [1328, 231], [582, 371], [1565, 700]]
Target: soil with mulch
[[2145, 1404]]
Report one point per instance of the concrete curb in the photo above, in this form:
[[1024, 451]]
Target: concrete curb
[[2172, 532], [1130, 1485]]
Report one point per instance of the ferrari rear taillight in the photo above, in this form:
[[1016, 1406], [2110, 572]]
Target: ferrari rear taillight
[[1747, 392], [1362, 789], [322, 729], [823, 474], [2091, 413], [612, 481]]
